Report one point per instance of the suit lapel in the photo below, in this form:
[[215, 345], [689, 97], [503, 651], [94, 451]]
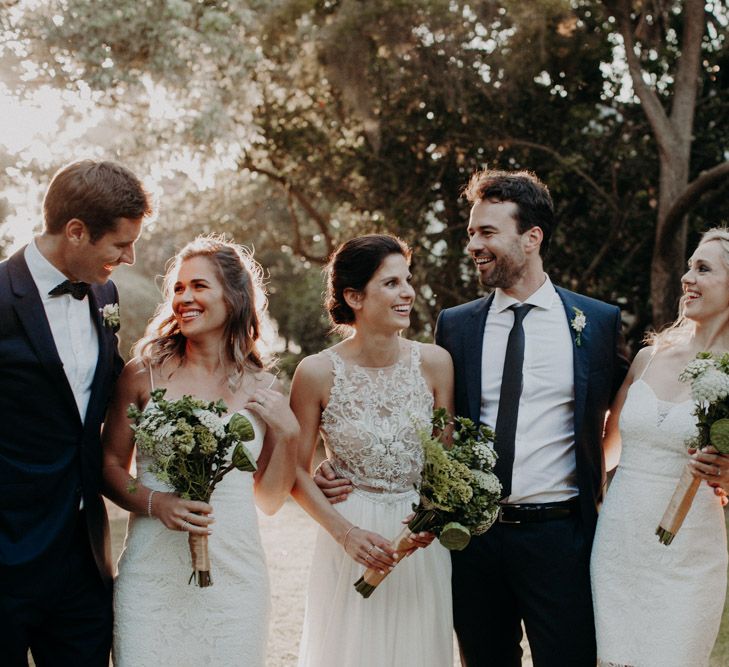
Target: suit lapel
[[472, 343], [102, 360], [581, 358], [32, 315]]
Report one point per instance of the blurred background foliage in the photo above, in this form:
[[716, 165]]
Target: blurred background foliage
[[292, 125]]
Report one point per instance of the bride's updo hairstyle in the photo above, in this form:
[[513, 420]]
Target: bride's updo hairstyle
[[683, 328], [244, 296], [352, 266]]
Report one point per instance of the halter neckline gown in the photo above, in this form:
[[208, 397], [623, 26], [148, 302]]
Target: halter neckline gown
[[370, 426]]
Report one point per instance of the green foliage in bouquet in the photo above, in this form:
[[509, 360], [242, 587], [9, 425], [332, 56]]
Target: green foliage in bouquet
[[709, 378], [189, 442], [459, 493]]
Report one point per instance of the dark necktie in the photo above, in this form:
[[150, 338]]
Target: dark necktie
[[76, 290], [511, 386]]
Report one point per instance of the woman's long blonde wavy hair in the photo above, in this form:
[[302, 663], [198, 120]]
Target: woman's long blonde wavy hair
[[683, 328], [242, 280]]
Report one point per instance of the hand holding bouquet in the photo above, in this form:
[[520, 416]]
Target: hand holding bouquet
[[459, 493], [189, 443], [709, 377]]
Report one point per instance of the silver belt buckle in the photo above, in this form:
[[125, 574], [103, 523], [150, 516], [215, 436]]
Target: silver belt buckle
[[501, 519]]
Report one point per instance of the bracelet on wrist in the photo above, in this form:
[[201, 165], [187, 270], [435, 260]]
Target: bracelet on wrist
[[346, 535], [149, 503]]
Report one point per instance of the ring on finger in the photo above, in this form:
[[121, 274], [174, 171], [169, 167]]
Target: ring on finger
[[718, 471], [185, 525]]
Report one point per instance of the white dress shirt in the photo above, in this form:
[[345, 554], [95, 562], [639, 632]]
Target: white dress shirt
[[73, 329], [544, 449]]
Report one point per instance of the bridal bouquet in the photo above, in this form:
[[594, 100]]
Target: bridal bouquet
[[188, 442], [709, 378], [459, 493]]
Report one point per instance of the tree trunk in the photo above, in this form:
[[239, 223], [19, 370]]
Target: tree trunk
[[669, 248], [673, 135]]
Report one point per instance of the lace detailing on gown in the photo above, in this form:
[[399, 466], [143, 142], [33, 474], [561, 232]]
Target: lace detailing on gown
[[656, 605], [372, 420], [159, 619], [371, 426], [662, 410]]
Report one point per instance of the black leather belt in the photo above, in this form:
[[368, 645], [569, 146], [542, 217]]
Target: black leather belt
[[533, 512]]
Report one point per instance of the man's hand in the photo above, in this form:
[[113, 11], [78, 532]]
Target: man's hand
[[336, 489]]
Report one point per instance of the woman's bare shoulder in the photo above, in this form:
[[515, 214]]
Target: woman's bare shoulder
[[314, 367], [435, 357]]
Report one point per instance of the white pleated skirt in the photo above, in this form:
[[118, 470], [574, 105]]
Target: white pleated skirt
[[408, 619]]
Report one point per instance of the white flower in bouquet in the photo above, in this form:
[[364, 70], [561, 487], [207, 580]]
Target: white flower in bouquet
[[459, 495], [485, 454], [164, 431], [487, 481], [695, 368], [489, 518], [710, 386], [192, 450], [709, 378], [211, 421]]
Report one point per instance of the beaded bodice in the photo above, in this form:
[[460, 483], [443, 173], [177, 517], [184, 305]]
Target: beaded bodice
[[372, 422]]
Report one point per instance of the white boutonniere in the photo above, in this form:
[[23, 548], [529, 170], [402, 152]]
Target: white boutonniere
[[110, 315], [578, 323]]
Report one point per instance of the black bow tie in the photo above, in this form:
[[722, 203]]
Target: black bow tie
[[76, 290]]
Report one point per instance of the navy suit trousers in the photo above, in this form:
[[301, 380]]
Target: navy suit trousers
[[63, 614], [536, 571]]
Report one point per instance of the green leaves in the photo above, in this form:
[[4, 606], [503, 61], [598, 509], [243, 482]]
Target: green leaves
[[243, 459], [459, 493], [454, 536], [241, 427], [708, 374], [719, 435], [190, 443]]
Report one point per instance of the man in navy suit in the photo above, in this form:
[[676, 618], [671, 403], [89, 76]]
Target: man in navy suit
[[548, 403], [541, 364], [58, 361]]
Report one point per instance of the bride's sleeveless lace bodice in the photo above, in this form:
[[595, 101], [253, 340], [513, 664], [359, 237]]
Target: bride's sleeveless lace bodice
[[372, 421], [371, 429]]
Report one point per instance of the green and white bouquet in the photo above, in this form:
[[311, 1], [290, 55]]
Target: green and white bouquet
[[709, 378], [189, 442], [459, 493]]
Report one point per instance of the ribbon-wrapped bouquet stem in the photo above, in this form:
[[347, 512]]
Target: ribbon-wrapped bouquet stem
[[709, 378], [189, 444], [459, 493]]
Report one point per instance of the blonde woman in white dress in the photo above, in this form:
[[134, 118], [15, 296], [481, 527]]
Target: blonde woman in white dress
[[203, 342], [369, 396], [657, 605]]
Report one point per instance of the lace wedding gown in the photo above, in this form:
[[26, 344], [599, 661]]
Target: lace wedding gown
[[371, 426], [656, 605], [159, 619]]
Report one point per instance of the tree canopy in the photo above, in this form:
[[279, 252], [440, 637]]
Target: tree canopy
[[315, 120]]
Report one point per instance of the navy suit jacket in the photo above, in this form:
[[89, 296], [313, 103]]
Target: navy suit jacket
[[49, 457], [599, 369]]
